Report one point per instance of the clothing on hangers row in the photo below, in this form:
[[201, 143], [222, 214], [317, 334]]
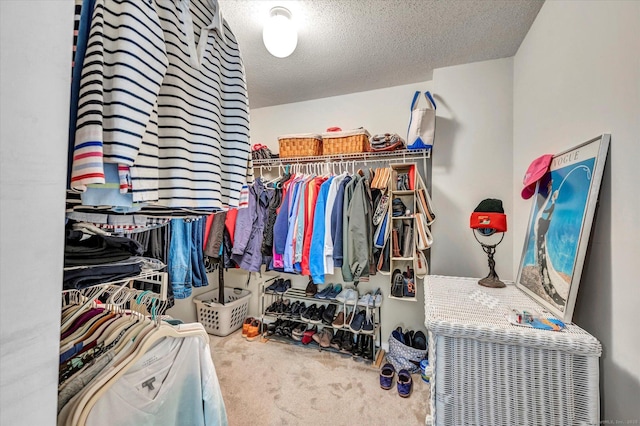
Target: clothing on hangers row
[[110, 354]]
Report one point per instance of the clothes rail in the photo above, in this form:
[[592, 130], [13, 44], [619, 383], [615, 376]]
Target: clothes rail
[[342, 161]]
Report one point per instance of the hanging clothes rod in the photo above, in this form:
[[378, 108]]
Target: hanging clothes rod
[[360, 157]]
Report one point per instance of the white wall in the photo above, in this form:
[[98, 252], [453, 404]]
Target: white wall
[[576, 76], [473, 145], [35, 69], [378, 111], [472, 161]]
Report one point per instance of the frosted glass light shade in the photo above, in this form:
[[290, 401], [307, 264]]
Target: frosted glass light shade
[[279, 34]]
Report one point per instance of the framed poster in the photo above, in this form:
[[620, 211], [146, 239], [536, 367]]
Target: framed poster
[[559, 226]]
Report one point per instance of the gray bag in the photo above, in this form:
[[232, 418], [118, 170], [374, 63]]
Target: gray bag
[[403, 356]]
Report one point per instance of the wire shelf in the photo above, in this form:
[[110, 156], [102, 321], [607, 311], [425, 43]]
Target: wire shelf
[[358, 156]]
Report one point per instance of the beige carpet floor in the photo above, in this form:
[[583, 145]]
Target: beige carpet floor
[[274, 383]]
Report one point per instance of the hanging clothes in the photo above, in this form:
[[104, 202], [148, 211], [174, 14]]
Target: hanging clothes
[[249, 229], [172, 114]]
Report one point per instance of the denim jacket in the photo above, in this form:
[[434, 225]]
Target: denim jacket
[[247, 241]]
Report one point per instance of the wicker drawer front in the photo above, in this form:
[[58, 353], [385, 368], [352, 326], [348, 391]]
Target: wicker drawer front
[[345, 142], [300, 146]]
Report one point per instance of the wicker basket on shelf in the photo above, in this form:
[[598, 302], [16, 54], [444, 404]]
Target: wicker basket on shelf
[[347, 142], [301, 145]]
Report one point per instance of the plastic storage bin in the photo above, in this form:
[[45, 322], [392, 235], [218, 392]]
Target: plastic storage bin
[[219, 319]]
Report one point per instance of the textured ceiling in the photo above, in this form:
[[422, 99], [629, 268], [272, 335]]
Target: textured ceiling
[[348, 46]]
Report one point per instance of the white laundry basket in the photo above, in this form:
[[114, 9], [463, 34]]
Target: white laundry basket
[[219, 319]]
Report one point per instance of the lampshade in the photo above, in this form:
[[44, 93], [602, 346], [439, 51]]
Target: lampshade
[[279, 34]]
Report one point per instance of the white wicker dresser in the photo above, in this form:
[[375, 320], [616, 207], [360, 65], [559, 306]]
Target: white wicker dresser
[[488, 372]]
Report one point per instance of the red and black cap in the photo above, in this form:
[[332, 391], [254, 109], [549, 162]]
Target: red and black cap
[[489, 216]]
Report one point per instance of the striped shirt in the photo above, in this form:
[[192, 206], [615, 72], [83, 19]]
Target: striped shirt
[[174, 116]]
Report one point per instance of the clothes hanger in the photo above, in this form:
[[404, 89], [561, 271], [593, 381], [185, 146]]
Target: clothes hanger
[[157, 333]]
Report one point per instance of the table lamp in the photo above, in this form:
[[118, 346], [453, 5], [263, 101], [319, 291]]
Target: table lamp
[[487, 221]]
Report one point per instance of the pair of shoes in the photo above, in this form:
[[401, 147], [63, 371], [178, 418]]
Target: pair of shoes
[[283, 286], [349, 296], [307, 336], [306, 314], [316, 316], [324, 337], [363, 346], [275, 284], [272, 327], [298, 331], [357, 321], [405, 382], [328, 314], [347, 342], [338, 322], [368, 325], [245, 326], [311, 289], [254, 330], [322, 294], [336, 342]]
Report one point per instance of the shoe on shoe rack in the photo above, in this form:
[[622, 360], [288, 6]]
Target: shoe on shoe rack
[[298, 331], [335, 291], [339, 321], [316, 337], [280, 327], [323, 293], [357, 321], [307, 336], [275, 284], [316, 318], [420, 341], [336, 342], [347, 342], [358, 348], [325, 339], [377, 299], [368, 326], [351, 298], [295, 312], [328, 314], [283, 306], [348, 320], [387, 374], [405, 383], [255, 329], [366, 300], [367, 347], [308, 313], [271, 328], [341, 296], [311, 289], [273, 308], [283, 286], [245, 326]]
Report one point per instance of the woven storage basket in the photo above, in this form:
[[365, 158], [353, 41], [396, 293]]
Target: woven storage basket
[[219, 319], [347, 142], [301, 145]]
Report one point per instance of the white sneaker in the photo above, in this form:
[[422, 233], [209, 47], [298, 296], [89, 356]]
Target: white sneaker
[[366, 300], [351, 298], [341, 296]]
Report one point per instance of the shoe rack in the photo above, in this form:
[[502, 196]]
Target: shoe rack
[[373, 339], [403, 228]]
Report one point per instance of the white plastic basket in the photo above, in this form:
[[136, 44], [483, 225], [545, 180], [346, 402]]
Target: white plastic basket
[[219, 319]]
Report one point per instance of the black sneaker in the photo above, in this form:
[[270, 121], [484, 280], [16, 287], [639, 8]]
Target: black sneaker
[[308, 313], [298, 331], [367, 327], [347, 342], [271, 328], [328, 314], [295, 311], [273, 308], [316, 318], [277, 282]]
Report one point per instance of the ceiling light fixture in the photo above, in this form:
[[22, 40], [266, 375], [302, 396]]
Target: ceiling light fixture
[[279, 34]]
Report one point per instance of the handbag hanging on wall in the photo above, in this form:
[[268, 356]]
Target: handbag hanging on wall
[[422, 123]]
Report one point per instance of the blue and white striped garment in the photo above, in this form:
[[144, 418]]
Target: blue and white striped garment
[[173, 111], [203, 110]]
